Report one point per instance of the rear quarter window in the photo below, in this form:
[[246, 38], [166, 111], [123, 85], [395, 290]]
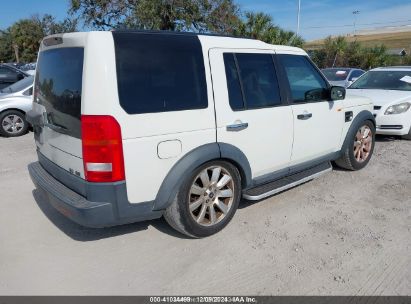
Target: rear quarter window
[[159, 73]]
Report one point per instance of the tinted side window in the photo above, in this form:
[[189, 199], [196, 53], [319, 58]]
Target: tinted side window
[[159, 73], [5, 72], [233, 82], [356, 74], [306, 83], [258, 85], [259, 80]]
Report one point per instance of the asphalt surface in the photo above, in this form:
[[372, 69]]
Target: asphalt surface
[[346, 233]]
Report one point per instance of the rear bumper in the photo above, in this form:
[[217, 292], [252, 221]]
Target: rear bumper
[[110, 210]]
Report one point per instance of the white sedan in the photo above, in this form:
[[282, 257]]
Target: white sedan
[[390, 90], [15, 101]]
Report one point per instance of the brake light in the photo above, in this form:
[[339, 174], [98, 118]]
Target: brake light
[[102, 148]]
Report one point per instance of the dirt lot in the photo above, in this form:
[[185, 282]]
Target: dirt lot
[[347, 233]]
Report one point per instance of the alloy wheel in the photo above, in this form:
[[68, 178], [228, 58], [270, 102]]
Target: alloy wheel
[[12, 124], [211, 196], [363, 144]]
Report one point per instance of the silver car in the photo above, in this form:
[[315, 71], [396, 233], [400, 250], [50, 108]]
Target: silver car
[[342, 77], [15, 101]]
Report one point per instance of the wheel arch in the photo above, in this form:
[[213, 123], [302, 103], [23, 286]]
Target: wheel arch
[[196, 158], [360, 117], [13, 109]]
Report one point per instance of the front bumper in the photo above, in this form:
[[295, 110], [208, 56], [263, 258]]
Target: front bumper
[[110, 208], [397, 124]]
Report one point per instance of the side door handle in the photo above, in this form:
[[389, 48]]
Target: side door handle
[[237, 127], [305, 116]]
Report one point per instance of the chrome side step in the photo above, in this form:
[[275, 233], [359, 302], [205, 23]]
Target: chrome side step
[[285, 183]]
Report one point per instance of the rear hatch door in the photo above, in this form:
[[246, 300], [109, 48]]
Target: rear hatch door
[[57, 97]]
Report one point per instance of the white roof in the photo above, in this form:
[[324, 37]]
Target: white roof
[[244, 43], [208, 41]]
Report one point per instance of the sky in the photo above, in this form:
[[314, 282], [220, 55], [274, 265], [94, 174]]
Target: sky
[[318, 18]]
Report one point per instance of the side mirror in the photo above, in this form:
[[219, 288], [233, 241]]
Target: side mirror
[[337, 93], [353, 79], [20, 76]]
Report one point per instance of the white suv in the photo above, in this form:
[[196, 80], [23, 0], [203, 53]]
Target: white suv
[[131, 126]]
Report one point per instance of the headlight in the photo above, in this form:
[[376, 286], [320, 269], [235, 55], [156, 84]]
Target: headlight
[[398, 108]]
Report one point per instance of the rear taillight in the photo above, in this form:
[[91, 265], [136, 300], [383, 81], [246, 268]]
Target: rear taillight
[[102, 149]]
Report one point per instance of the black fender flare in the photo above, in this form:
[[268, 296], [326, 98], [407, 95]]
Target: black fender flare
[[359, 118], [194, 159], [238, 158]]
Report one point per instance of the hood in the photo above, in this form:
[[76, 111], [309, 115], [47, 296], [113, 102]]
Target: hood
[[381, 97]]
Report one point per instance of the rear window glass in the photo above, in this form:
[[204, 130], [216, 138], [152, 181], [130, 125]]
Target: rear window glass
[[159, 73], [58, 87]]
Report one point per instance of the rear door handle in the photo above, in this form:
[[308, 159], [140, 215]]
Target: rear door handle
[[237, 127], [305, 116]]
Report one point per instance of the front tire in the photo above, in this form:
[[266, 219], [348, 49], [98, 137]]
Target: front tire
[[206, 201], [13, 124], [358, 152]]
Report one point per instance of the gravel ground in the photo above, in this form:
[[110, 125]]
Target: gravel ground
[[346, 233]]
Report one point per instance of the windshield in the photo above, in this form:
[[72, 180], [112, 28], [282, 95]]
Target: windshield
[[19, 85], [336, 74], [384, 80]]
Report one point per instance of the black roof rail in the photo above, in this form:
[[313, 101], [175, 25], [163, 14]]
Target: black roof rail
[[164, 32]]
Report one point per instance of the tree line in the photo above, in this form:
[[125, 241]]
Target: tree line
[[20, 42], [338, 52]]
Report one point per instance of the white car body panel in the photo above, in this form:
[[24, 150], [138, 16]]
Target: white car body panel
[[268, 128], [319, 135], [384, 99], [17, 102]]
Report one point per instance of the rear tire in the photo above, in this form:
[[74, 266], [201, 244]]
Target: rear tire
[[358, 152], [13, 123], [206, 201]]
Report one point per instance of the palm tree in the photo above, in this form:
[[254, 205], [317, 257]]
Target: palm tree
[[260, 26]]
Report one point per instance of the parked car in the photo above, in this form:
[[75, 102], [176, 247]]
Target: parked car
[[342, 76], [10, 75], [131, 126], [15, 102], [29, 68], [390, 90]]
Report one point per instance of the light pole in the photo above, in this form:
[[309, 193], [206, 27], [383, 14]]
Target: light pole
[[355, 13], [298, 17]]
